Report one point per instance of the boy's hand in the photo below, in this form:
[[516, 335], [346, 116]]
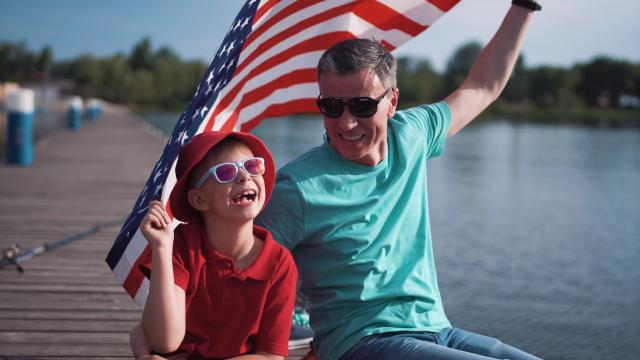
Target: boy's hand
[[156, 226]]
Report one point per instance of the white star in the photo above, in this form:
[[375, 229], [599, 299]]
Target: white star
[[217, 86], [144, 209], [158, 189], [251, 2], [156, 176], [183, 137], [245, 23], [237, 24], [210, 77], [224, 49], [203, 111], [209, 89], [222, 68], [230, 47], [230, 63]]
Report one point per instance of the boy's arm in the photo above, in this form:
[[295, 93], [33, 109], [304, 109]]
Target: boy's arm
[[163, 318], [490, 72]]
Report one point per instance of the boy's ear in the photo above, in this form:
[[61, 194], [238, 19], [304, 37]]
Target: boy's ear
[[196, 200]]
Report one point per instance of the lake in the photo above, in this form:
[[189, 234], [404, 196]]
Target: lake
[[536, 231]]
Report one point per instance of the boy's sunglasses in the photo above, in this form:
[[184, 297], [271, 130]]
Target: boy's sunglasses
[[363, 107], [227, 172]]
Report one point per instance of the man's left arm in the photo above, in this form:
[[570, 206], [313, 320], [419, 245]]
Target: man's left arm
[[490, 72]]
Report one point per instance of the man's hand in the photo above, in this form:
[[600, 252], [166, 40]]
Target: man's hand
[[156, 226]]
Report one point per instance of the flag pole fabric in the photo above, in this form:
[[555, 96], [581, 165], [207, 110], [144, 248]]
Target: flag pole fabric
[[265, 68]]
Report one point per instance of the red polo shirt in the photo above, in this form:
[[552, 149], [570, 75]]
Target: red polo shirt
[[230, 312]]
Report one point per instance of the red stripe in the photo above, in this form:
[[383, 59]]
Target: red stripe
[[298, 28], [293, 78], [297, 106], [444, 5], [264, 9], [134, 278], [321, 42], [288, 11], [386, 18]]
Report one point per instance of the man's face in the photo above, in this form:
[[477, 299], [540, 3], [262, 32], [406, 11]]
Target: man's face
[[361, 140]]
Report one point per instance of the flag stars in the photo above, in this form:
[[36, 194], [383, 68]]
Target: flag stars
[[231, 47], [203, 111], [244, 23], [237, 25], [209, 89], [210, 77], [183, 137]]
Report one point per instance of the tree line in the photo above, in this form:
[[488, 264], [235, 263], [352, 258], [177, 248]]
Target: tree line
[[160, 79]]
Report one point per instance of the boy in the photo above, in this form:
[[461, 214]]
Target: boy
[[224, 288]]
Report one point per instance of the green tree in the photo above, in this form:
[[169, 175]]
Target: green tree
[[517, 89], [459, 65], [603, 80], [553, 87], [141, 56], [418, 82]]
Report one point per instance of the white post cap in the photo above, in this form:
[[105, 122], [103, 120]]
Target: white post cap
[[75, 102], [21, 100], [93, 103]]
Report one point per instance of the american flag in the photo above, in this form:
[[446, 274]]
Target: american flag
[[266, 67]]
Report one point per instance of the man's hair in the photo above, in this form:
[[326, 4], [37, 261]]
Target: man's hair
[[354, 55], [221, 149]]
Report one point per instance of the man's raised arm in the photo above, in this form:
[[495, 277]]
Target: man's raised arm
[[490, 72]]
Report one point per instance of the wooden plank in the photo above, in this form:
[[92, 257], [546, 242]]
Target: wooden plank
[[62, 288], [68, 350], [55, 326], [31, 337], [65, 301], [92, 314], [36, 277]]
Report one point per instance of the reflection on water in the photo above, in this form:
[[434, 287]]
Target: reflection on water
[[536, 231]]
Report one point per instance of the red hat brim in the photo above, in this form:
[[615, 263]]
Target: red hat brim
[[195, 151]]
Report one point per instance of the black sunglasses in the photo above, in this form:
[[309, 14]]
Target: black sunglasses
[[363, 107]]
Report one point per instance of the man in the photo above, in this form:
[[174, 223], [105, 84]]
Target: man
[[354, 211]]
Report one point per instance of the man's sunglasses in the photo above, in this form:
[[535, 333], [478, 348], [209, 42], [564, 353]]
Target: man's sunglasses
[[363, 107], [227, 172]]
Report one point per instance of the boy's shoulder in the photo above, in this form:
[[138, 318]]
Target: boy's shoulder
[[272, 252]]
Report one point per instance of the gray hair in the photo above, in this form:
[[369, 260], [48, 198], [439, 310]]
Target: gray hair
[[353, 55]]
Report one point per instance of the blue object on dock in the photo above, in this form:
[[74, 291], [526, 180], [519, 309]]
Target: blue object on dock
[[75, 113], [20, 108], [94, 109]]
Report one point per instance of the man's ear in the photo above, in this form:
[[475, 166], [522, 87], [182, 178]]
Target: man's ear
[[395, 95], [196, 200]]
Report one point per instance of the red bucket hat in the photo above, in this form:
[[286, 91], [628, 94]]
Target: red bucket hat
[[193, 153]]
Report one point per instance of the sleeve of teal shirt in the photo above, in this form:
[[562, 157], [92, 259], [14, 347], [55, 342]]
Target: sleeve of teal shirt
[[283, 214], [433, 121]]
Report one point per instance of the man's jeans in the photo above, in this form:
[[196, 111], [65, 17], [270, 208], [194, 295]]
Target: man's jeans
[[447, 344]]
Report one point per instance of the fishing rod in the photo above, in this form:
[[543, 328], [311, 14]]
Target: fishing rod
[[13, 255]]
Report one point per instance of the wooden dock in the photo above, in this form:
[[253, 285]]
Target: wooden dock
[[67, 304]]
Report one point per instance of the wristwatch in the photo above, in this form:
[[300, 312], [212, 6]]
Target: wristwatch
[[529, 4]]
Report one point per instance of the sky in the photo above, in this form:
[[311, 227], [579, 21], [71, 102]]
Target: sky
[[563, 33]]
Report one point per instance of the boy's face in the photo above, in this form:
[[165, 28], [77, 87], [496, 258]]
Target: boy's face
[[237, 201]]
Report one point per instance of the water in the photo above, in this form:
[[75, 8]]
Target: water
[[536, 232]]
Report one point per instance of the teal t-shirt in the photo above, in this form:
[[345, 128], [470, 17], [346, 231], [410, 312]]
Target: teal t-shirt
[[360, 235]]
